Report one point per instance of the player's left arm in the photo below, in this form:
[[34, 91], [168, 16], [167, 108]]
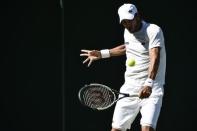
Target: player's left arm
[[154, 54], [155, 45]]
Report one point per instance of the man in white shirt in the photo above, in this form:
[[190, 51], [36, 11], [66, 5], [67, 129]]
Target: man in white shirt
[[144, 46]]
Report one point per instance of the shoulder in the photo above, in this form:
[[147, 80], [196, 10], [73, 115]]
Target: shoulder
[[153, 29]]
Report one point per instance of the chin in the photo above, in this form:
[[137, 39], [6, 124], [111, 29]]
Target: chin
[[131, 31]]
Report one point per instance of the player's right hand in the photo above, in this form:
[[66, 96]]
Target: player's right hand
[[91, 55]]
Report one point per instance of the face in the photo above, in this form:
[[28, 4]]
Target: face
[[132, 25]]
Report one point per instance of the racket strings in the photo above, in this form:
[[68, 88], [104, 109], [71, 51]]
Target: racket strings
[[98, 97]]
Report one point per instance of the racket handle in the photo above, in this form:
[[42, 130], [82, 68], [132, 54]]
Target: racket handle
[[126, 94], [130, 95]]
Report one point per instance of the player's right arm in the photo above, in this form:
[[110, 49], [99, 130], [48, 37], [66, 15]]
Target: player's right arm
[[93, 55]]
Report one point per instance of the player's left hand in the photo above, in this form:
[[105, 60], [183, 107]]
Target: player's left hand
[[145, 92]]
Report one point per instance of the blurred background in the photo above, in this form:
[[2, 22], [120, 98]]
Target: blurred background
[[31, 67], [42, 71]]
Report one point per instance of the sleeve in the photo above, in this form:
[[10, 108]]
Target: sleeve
[[156, 39]]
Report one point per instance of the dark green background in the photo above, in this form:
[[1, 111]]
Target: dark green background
[[42, 71]]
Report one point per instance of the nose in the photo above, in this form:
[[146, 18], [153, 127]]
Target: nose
[[127, 24]]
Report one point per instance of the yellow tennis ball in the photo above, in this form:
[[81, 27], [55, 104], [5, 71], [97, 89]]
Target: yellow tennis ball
[[131, 62]]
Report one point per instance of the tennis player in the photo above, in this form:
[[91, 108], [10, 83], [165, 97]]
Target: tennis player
[[145, 70]]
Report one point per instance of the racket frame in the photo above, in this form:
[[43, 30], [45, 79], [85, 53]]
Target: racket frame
[[113, 91]]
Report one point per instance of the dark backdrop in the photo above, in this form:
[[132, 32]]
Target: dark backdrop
[[42, 71], [31, 66]]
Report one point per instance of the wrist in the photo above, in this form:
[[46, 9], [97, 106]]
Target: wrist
[[105, 53], [149, 82]]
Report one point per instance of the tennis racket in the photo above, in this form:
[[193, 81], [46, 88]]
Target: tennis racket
[[99, 96]]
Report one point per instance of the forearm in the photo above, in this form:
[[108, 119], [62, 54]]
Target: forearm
[[154, 63], [118, 51], [93, 55], [154, 54]]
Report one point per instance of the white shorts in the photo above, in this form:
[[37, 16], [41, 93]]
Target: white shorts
[[127, 109]]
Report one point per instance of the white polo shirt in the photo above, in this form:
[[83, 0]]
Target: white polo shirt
[[137, 47]]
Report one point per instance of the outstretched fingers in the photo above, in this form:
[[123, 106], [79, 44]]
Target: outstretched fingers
[[85, 53], [91, 56], [90, 62], [86, 60]]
